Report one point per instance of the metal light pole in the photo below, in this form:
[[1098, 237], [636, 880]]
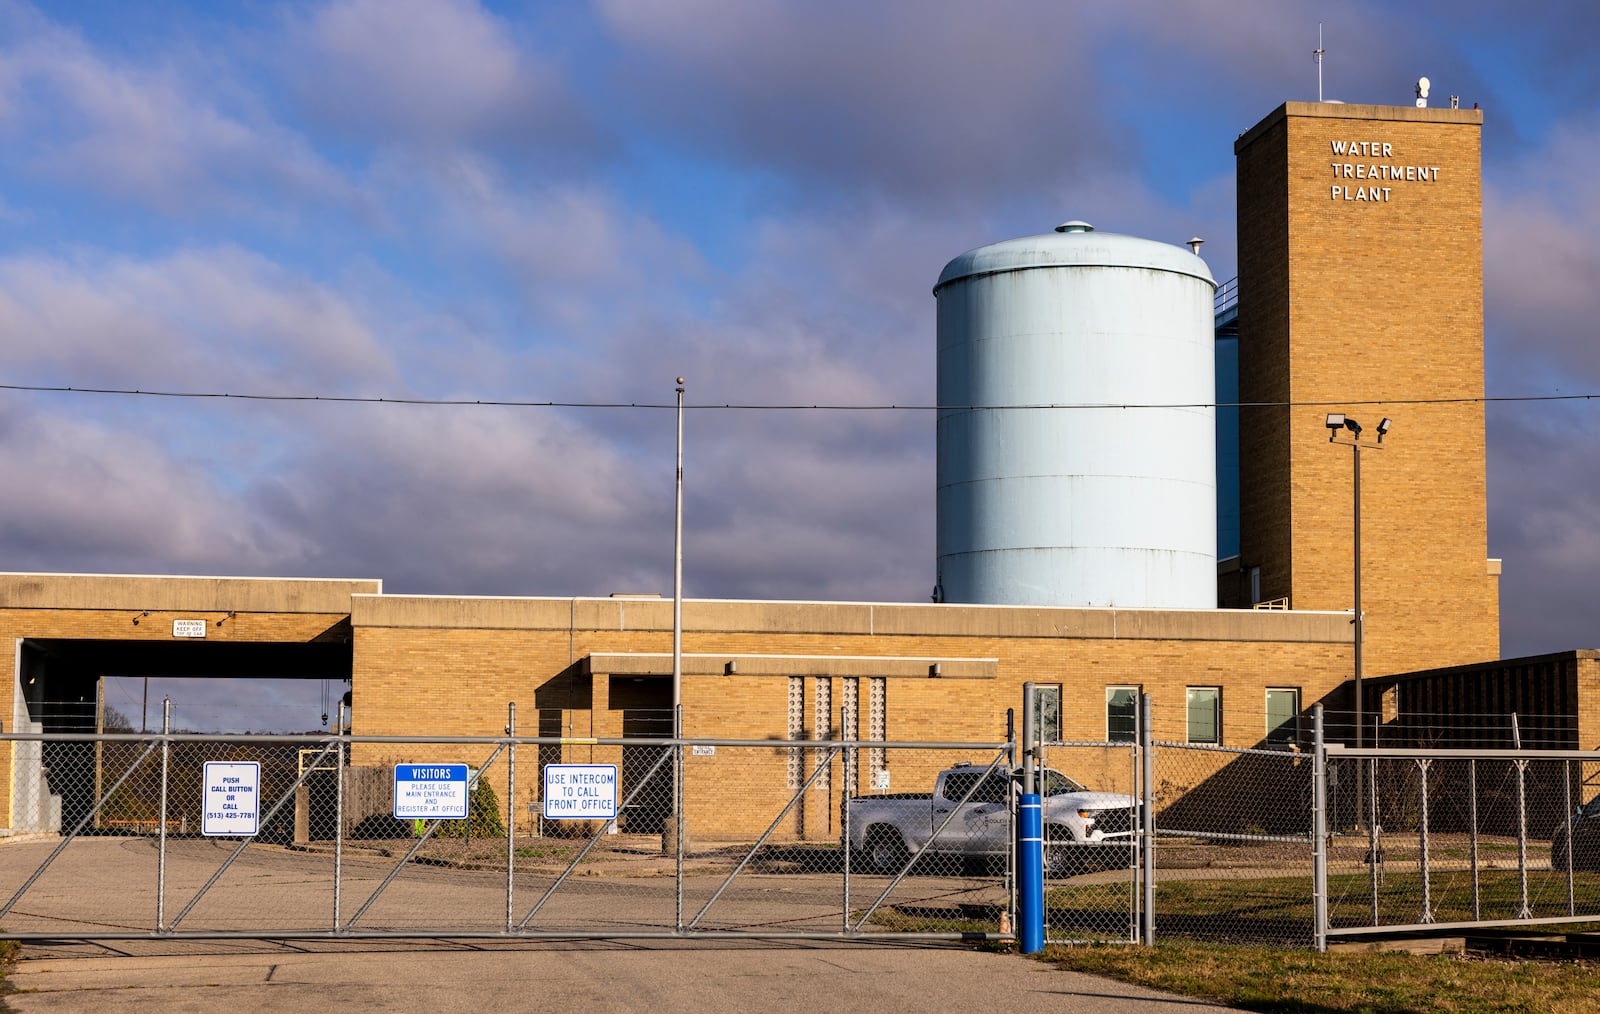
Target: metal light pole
[[1337, 423], [1355, 514], [677, 587], [677, 677]]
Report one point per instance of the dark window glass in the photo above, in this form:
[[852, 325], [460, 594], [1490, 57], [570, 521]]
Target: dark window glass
[[1122, 710], [1205, 714]]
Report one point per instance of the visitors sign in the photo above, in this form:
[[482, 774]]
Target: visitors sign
[[232, 798], [430, 791], [580, 791]]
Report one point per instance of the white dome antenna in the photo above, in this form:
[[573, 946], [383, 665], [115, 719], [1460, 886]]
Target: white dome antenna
[[1423, 84]]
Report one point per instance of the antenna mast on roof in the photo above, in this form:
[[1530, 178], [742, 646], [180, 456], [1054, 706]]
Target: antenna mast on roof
[[1317, 53]]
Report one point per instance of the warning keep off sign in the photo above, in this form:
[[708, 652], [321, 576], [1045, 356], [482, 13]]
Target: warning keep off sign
[[580, 791]]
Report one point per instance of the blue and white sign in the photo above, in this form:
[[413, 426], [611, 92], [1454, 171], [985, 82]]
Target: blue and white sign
[[430, 791], [232, 799], [580, 791]]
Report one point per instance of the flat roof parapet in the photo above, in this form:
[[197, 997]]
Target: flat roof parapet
[[179, 593], [849, 618]]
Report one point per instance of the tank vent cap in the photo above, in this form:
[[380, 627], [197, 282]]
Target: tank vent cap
[[1074, 226]]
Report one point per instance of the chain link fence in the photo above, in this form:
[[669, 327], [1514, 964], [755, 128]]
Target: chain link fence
[[130, 835], [134, 835], [1446, 838]]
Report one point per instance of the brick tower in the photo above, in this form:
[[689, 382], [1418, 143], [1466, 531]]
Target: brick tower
[[1361, 292]]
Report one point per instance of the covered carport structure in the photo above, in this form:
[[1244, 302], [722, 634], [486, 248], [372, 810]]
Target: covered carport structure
[[69, 630]]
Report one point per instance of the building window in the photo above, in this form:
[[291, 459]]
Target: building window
[[1205, 714], [1122, 714], [1255, 585], [1283, 715], [1046, 713]]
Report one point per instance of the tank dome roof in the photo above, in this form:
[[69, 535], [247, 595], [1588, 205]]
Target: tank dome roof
[[1074, 244]]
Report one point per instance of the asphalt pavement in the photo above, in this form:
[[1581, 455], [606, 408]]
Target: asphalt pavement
[[659, 976]]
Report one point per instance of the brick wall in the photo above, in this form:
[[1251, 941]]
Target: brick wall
[[452, 671], [79, 607], [1346, 301]]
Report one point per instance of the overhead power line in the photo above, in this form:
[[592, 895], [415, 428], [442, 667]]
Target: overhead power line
[[784, 407]]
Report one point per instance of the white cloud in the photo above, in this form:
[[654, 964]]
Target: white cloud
[[1541, 259], [890, 98], [214, 319], [106, 497], [579, 257], [1544, 521], [149, 134], [440, 74]]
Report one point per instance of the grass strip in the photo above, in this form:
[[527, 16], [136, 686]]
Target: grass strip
[[1304, 982]]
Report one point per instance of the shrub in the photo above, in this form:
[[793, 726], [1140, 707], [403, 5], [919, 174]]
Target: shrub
[[483, 816]]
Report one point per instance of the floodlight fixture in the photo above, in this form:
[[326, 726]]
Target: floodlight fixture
[[1354, 427], [1335, 423], [1383, 427]]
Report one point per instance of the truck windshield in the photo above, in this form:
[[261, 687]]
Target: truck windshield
[[1056, 783]]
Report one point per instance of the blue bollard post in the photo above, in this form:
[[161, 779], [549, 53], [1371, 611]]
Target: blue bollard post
[[1030, 874]]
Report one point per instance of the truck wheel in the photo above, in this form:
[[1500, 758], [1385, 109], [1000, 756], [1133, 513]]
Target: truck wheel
[[1061, 859], [886, 851]]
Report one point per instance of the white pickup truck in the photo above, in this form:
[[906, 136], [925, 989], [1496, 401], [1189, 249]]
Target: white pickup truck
[[1084, 830]]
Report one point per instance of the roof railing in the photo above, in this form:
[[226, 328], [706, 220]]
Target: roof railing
[[1227, 296]]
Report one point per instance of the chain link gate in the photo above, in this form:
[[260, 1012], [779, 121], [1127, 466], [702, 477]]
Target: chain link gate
[[828, 838], [1093, 889], [110, 844], [1234, 844]]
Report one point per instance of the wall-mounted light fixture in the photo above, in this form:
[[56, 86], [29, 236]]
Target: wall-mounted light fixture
[[935, 671], [730, 668]]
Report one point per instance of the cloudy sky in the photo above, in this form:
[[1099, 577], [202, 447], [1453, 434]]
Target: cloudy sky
[[576, 202]]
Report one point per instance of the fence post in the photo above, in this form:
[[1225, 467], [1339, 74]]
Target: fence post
[[511, 805], [1426, 915], [1007, 922], [1030, 874], [1472, 815], [1029, 750], [844, 815], [1566, 804], [677, 775], [1147, 822], [1319, 829], [1524, 911], [161, 846], [1028, 845], [339, 772], [1374, 845]]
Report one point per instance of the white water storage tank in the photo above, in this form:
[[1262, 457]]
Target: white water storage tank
[[1103, 506]]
